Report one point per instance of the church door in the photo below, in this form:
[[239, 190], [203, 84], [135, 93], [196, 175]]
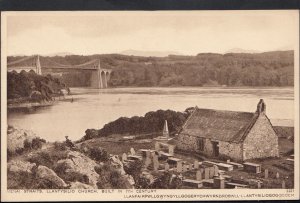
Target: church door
[[215, 148]]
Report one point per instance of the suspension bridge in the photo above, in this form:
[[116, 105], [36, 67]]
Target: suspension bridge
[[43, 66]]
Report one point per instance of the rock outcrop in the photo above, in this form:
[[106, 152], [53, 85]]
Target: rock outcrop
[[49, 175], [79, 185], [17, 137], [17, 166], [118, 165], [77, 163]]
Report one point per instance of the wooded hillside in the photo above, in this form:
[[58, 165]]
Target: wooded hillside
[[205, 69]]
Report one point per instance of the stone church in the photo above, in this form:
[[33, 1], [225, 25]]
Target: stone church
[[229, 134]]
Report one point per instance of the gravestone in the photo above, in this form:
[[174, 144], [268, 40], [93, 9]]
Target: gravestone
[[266, 173], [201, 170], [179, 166], [199, 175], [157, 146], [219, 182], [155, 158], [277, 175], [258, 184], [206, 173], [216, 170], [167, 167], [124, 157], [171, 150], [153, 154], [196, 164], [132, 151], [184, 169], [155, 165], [155, 162], [283, 184], [148, 154], [211, 172], [147, 162], [190, 166]]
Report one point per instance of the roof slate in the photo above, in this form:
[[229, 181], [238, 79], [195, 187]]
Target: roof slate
[[229, 126]]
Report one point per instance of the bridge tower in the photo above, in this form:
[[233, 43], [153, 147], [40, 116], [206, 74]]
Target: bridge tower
[[38, 65], [100, 84]]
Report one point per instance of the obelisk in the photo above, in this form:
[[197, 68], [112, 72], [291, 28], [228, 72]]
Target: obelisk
[[166, 130]]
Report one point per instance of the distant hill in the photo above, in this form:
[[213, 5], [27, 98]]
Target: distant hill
[[238, 50], [60, 54], [149, 53], [274, 68]]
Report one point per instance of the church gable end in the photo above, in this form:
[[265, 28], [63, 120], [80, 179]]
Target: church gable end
[[261, 141]]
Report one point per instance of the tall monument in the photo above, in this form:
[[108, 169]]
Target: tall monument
[[165, 135], [166, 130]]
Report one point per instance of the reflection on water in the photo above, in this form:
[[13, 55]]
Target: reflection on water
[[94, 108]]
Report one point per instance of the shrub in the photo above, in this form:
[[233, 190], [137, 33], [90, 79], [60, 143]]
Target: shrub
[[110, 178], [42, 158], [142, 183], [133, 169], [37, 143], [60, 146], [167, 181], [98, 154]]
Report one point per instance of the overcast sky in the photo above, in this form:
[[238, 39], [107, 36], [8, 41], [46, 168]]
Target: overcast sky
[[186, 32]]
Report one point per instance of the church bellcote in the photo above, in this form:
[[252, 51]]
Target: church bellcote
[[261, 107]]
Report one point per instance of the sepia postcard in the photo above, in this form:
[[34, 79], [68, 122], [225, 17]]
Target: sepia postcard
[[150, 105]]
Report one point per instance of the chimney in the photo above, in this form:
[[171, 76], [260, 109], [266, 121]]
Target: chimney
[[261, 107]]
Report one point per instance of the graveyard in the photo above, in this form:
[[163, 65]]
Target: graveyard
[[160, 155], [212, 173]]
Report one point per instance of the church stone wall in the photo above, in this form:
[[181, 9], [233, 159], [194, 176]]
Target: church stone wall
[[261, 141]]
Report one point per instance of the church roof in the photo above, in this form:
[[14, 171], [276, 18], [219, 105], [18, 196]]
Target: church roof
[[228, 126]]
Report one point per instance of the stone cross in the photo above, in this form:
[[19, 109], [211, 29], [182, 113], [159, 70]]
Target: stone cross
[[277, 175], [179, 166], [196, 164], [171, 149], [124, 157], [206, 173], [167, 167], [132, 152], [266, 173], [199, 175], [283, 184]]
